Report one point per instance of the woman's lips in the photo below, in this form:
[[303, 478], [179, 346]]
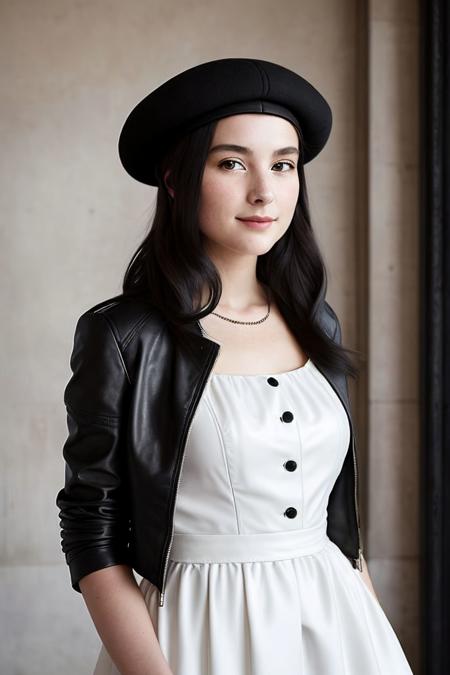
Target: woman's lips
[[257, 224]]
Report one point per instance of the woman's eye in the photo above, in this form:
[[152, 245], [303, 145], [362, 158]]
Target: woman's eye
[[291, 166], [235, 161], [229, 161]]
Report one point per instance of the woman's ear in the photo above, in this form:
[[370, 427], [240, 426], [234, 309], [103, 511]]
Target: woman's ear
[[170, 189]]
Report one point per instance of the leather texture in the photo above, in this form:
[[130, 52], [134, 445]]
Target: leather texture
[[130, 402]]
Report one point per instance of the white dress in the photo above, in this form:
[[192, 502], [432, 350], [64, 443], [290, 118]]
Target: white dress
[[254, 585]]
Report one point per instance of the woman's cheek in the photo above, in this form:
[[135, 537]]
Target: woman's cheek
[[219, 195]]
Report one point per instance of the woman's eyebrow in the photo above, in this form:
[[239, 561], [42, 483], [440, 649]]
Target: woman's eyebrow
[[289, 150]]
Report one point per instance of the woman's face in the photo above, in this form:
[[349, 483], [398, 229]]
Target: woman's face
[[258, 178]]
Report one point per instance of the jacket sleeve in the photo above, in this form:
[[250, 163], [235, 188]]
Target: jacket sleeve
[[93, 502]]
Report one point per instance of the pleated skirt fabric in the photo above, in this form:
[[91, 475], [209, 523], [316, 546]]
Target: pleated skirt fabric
[[254, 585]]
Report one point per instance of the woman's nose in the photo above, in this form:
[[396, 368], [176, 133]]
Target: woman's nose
[[260, 190]]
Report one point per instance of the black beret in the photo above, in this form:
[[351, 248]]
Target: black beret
[[213, 90]]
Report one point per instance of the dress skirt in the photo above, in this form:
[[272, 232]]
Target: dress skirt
[[254, 585]]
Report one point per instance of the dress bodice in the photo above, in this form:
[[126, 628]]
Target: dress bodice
[[263, 453]]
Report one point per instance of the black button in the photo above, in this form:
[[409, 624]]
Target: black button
[[287, 416], [290, 512], [273, 381], [290, 465]]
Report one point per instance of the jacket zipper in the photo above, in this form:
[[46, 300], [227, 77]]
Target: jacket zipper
[[358, 560], [162, 592]]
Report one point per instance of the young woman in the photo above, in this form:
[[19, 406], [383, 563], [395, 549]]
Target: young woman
[[211, 445]]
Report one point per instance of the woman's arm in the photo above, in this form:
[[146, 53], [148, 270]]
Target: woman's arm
[[94, 502], [121, 617], [365, 572]]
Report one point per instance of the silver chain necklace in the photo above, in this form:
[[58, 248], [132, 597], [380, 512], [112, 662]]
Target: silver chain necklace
[[247, 322]]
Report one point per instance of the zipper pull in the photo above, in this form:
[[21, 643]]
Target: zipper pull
[[161, 599], [359, 560]]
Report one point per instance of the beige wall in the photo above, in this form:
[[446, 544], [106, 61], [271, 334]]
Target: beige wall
[[393, 280], [71, 219]]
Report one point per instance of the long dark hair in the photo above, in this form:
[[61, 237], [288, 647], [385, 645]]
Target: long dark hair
[[170, 267]]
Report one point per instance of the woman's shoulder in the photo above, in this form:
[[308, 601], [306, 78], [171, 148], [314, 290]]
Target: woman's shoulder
[[127, 314]]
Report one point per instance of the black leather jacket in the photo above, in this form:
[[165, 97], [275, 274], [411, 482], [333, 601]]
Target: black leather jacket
[[130, 403]]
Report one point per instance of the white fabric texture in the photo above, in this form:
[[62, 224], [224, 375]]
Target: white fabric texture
[[249, 590]]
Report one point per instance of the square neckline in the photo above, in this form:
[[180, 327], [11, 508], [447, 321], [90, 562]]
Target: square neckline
[[305, 366]]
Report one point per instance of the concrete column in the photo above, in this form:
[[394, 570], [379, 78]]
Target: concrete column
[[393, 281]]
